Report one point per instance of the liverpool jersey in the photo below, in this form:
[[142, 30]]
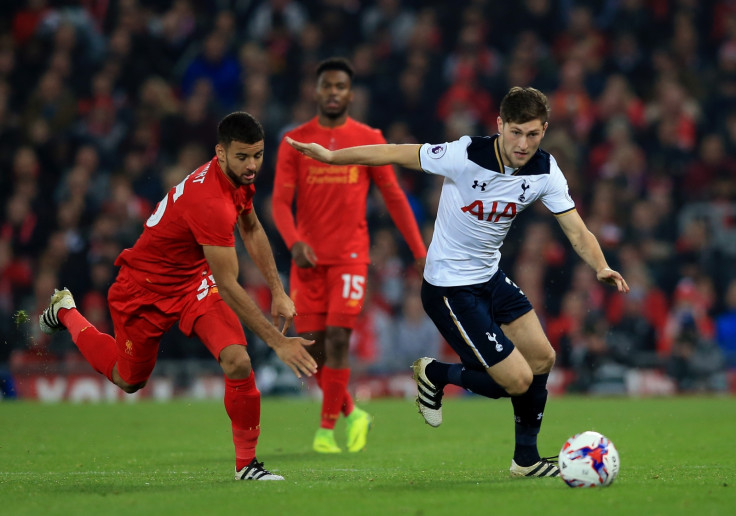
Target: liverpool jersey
[[201, 210]]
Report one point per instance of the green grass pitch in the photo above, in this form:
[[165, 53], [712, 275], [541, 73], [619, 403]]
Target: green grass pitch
[[677, 457]]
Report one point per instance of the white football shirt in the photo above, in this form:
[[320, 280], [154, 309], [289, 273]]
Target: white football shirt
[[478, 203]]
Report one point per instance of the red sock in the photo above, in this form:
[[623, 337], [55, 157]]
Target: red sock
[[243, 405], [97, 348], [334, 387], [347, 404]]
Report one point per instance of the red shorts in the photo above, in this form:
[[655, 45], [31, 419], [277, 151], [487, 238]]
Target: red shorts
[[141, 317], [327, 295]]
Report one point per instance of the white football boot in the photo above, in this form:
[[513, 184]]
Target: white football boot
[[49, 319], [429, 397]]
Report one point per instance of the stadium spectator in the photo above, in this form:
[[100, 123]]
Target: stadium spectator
[[654, 45], [726, 326]]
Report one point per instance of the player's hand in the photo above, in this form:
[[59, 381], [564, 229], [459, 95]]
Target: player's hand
[[303, 255], [291, 351], [608, 275], [282, 307], [312, 150]]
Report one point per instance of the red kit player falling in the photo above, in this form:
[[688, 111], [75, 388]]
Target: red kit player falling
[[184, 269], [329, 242]]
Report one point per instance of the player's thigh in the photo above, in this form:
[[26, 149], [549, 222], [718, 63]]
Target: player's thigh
[[514, 313], [512, 373], [138, 330], [308, 290], [528, 336], [216, 325], [463, 317], [346, 286]]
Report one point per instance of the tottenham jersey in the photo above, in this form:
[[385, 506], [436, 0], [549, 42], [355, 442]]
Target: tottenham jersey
[[479, 201]]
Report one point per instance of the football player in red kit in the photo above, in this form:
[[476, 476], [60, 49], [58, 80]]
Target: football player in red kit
[[329, 242], [184, 269]]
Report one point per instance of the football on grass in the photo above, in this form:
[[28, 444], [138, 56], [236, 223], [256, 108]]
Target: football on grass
[[588, 459]]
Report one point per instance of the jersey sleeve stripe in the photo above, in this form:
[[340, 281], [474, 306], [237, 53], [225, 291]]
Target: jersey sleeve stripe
[[419, 157], [558, 214]]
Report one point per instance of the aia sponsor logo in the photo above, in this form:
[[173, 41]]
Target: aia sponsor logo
[[495, 213]]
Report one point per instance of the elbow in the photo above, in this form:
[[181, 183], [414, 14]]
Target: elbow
[[227, 289]]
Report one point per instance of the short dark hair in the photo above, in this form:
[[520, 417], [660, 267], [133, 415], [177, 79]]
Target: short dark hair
[[240, 127], [521, 105], [335, 63]]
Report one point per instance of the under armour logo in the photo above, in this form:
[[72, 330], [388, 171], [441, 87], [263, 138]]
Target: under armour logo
[[539, 416], [482, 187], [524, 188]]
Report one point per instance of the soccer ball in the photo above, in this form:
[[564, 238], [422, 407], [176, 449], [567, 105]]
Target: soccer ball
[[588, 459]]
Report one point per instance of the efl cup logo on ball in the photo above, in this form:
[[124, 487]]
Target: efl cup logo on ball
[[588, 459]]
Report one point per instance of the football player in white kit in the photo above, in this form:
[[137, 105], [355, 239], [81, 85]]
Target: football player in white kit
[[482, 314]]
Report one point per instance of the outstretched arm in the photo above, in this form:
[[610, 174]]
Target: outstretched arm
[[404, 155], [586, 245], [259, 248], [223, 263]]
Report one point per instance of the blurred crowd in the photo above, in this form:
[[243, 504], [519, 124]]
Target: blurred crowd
[[106, 104]]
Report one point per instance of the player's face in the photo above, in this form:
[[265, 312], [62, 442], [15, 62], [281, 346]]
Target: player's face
[[241, 161], [333, 93], [519, 142]]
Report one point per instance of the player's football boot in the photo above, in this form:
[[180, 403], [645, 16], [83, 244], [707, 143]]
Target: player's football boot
[[49, 319], [546, 467], [256, 471], [324, 441], [429, 397], [359, 422]]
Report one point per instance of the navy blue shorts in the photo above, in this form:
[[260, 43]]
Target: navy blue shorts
[[468, 317]]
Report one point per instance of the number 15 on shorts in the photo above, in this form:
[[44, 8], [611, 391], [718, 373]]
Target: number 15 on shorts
[[353, 287]]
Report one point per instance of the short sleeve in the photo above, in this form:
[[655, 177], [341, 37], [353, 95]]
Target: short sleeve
[[444, 159], [213, 223], [556, 196]]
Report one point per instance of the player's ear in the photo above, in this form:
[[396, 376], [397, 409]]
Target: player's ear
[[220, 151], [500, 124]]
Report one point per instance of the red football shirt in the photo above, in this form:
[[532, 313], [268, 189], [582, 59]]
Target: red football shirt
[[201, 210], [331, 199]]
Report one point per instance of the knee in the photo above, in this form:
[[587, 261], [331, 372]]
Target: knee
[[337, 341], [128, 388], [520, 384], [548, 361], [236, 367], [543, 362], [131, 388]]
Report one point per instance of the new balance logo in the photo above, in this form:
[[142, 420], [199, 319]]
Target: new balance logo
[[482, 186]]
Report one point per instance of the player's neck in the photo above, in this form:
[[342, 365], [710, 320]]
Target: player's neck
[[330, 122]]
